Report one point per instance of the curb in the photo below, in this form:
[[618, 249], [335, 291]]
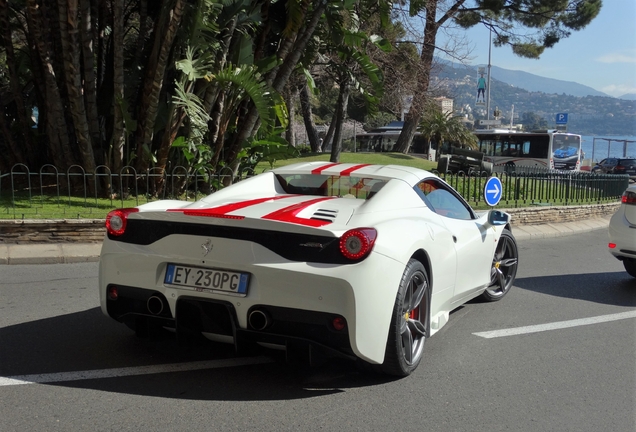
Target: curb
[[49, 253]]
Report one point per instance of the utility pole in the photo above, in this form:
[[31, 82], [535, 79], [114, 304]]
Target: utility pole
[[488, 85]]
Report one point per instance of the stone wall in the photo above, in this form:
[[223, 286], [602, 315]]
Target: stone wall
[[93, 231], [542, 215], [51, 231]]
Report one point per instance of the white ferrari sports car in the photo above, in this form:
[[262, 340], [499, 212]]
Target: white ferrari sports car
[[362, 261]]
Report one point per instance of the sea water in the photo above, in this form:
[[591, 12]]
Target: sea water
[[608, 146]]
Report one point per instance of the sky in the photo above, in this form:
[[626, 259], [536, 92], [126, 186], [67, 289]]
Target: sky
[[601, 56]]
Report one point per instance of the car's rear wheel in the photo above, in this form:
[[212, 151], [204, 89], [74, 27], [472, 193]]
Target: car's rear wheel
[[504, 267], [410, 322], [630, 266]]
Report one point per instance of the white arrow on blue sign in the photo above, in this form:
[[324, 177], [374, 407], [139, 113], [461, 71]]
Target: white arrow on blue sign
[[492, 191]]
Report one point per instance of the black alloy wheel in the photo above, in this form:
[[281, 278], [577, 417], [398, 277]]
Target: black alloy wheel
[[504, 267], [410, 323]]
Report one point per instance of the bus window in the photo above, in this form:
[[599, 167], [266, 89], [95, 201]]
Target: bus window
[[526, 148], [539, 148], [497, 151]]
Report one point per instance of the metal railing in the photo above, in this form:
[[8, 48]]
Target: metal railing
[[102, 187], [75, 186], [541, 187]]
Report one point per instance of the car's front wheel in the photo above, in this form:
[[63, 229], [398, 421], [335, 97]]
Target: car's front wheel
[[410, 322], [630, 266], [504, 267]]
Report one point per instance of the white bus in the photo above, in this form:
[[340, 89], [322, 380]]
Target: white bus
[[385, 141], [541, 149]]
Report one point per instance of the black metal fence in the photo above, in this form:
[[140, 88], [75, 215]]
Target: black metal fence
[[520, 188], [75, 183], [541, 187]]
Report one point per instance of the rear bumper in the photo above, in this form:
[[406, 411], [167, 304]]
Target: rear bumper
[[623, 235], [217, 320], [301, 298]]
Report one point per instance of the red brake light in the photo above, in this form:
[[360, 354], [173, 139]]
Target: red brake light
[[628, 198], [117, 219], [357, 243], [611, 245], [112, 292], [339, 323]]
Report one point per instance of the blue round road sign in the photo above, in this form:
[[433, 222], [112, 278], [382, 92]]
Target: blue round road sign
[[492, 191]]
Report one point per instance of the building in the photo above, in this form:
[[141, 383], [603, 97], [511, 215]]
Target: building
[[445, 104]]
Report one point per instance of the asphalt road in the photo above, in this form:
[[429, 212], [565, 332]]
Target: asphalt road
[[557, 354]]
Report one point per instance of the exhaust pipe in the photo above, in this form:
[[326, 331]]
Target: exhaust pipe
[[259, 319], [155, 305]]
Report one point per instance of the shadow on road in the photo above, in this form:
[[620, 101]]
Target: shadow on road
[[617, 288], [85, 341]]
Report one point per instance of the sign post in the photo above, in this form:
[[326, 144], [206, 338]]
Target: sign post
[[492, 191], [561, 121]]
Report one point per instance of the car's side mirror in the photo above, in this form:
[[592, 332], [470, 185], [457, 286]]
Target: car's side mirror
[[497, 217]]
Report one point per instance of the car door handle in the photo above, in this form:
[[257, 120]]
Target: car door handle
[[454, 239]]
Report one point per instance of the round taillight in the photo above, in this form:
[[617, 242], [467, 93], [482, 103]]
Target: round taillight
[[357, 243], [117, 219], [339, 323], [112, 293], [612, 245]]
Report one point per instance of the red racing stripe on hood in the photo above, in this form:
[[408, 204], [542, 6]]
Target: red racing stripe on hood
[[223, 210], [324, 167], [289, 214], [348, 171]]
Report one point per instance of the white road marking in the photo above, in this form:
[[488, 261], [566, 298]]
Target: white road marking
[[556, 325], [129, 371]]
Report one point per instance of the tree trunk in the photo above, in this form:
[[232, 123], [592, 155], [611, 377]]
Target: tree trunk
[[28, 155], [165, 33], [339, 117], [175, 120], [216, 117], [100, 10], [308, 118], [87, 33], [292, 95], [68, 20], [56, 129], [141, 36], [416, 111], [119, 136]]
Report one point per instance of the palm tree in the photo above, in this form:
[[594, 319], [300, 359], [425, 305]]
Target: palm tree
[[443, 128]]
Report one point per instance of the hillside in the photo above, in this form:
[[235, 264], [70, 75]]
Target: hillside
[[590, 112]]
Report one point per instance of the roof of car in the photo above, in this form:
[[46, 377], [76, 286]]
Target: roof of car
[[410, 175]]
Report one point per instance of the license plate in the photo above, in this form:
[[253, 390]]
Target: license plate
[[206, 279]]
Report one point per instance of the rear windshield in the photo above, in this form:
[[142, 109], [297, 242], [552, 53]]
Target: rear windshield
[[327, 185]]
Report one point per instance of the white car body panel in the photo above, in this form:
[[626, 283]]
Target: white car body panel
[[460, 252], [622, 230]]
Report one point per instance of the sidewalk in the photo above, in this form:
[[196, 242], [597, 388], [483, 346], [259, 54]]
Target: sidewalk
[[52, 253]]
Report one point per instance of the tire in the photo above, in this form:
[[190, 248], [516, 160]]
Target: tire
[[408, 330], [630, 266], [504, 268]]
